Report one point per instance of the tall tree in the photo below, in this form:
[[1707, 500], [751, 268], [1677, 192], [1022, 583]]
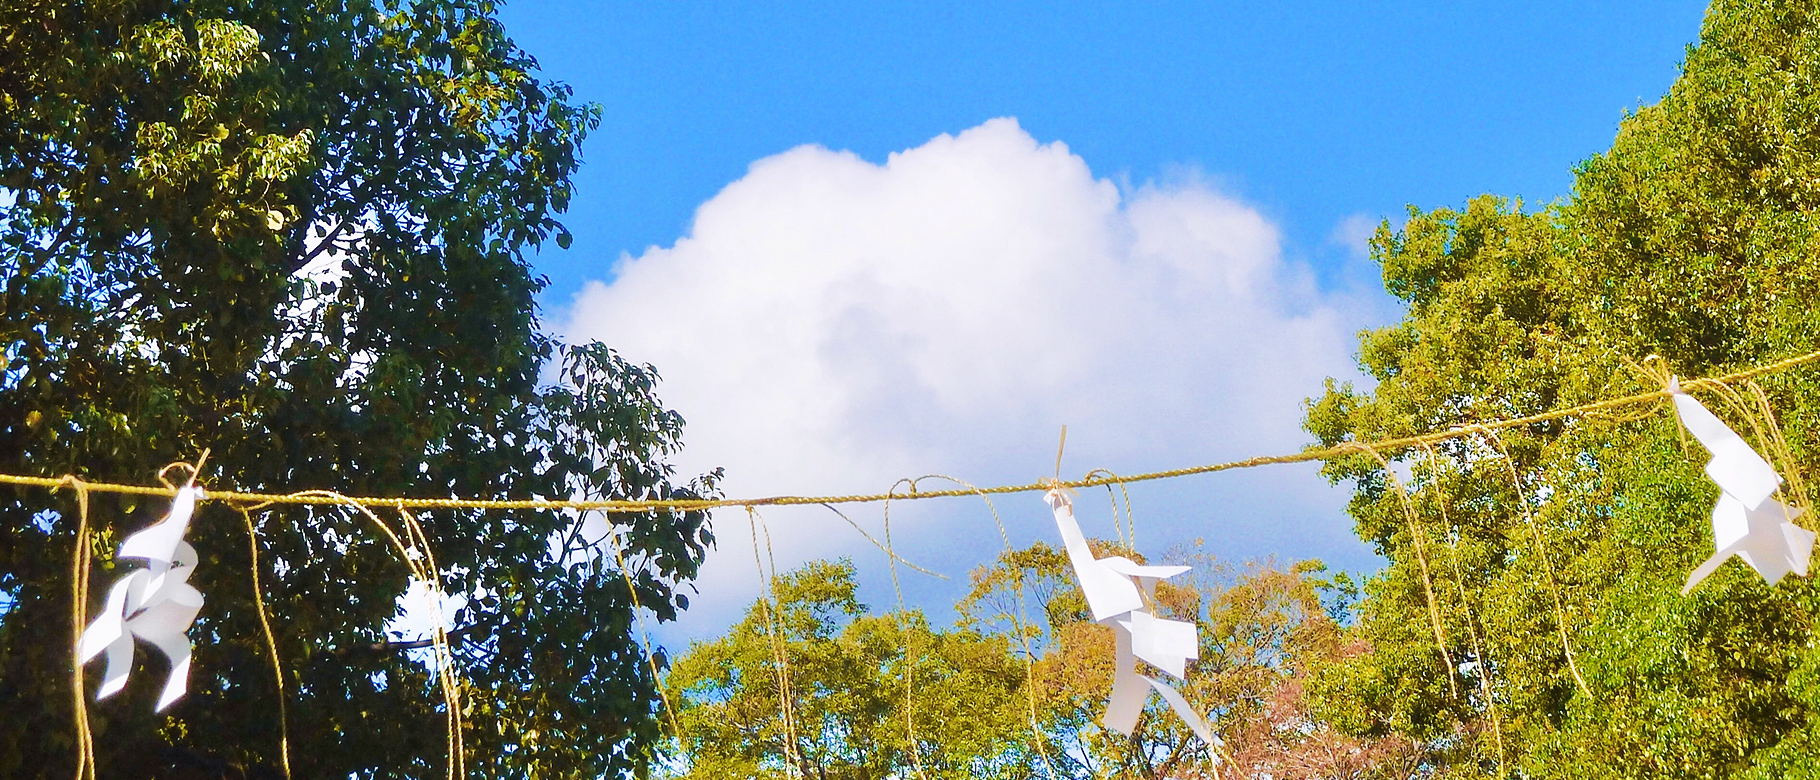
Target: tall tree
[[810, 684], [294, 233], [1532, 609], [1264, 630]]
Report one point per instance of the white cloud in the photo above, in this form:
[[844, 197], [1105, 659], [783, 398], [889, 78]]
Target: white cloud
[[831, 324], [1353, 233]]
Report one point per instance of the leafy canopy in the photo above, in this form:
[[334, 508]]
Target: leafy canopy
[[812, 683], [1565, 647], [294, 233]]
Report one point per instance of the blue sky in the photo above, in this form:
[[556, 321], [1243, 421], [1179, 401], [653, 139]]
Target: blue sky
[[1124, 218], [1311, 111]]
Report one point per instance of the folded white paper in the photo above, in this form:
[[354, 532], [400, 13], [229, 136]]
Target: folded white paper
[[158, 541], [1165, 644], [1145, 576], [1746, 521], [1763, 537], [1112, 587], [1129, 691], [156, 604], [1185, 711], [1735, 467], [1108, 593]]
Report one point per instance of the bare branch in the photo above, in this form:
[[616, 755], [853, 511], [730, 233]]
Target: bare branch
[[392, 647]]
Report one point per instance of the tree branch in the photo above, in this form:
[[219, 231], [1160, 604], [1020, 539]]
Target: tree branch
[[389, 646], [326, 242]]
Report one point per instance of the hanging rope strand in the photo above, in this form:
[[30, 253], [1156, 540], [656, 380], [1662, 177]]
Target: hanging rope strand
[[1548, 567], [421, 569], [81, 554], [431, 575], [1428, 590], [1459, 581], [881, 545], [911, 656], [1130, 519], [1019, 623], [1763, 426], [644, 636], [780, 664], [271, 644], [1790, 471]]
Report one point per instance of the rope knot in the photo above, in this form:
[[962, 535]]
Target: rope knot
[[1654, 370]]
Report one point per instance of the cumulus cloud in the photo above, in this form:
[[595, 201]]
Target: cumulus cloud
[[1354, 233], [830, 324]]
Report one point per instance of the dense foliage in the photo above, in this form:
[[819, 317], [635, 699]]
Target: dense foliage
[[812, 684], [1556, 642], [294, 233], [843, 675]]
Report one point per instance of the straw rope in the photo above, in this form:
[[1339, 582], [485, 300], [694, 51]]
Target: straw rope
[[1459, 581], [1416, 538], [428, 572], [271, 642], [626, 505], [79, 570], [1548, 566]]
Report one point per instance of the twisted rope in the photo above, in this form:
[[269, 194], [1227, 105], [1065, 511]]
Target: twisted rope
[[624, 505]]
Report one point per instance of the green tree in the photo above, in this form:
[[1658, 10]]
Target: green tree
[[1264, 629], [810, 684], [294, 233], [1556, 642]]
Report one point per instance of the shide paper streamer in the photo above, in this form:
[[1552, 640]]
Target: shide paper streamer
[[1119, 592], [156, 604], [1746, 521]]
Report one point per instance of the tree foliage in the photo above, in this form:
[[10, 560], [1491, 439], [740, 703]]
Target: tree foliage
[[1264, 629], [294, 233], [811, 683], [1555, 555]]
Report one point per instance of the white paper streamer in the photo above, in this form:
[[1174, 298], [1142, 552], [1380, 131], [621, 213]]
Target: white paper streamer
[[1185, 711], [1116, 589], [1735, 467], [1763, 537], [1109, 594], [156, 604], [1746, 521]]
